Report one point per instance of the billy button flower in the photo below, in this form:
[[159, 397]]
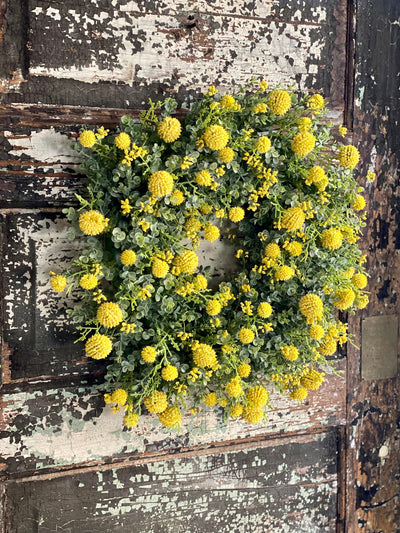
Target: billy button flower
[[315, 102], [299, 393], [226, 154], [122, 141], [252, 415], [211, 399], [88, 281], [128, 257], [293, 218], [291, 353], [204, 355], [176, 197], [348, 156], [109, 314], [235, 410], [257, 396], [263, 145], [169, 129], [156, 402], [58, 282], [236, 214], [211, 233], [169, 373], [98, 346], [359, 202], [185, 263], [272, 250], [246, 335], [216, 137], [131, 420], [332, 239], [244, 370], [149, 354], [171, 417], [327, 346], [234, 388], [312, 379], [359, 281], [303, 143], [87, 139], [213, 307], [279, 102], [92, 222], [160, 268], [311, 306], [264, 310], [161, 183], [344, 298], [283, 273]]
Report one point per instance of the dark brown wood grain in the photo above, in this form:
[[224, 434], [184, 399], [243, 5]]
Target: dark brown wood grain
[[373, 444]]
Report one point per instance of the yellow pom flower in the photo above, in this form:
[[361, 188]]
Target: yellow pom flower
[[344, 298], [246, 335], [362, 301], [200, 282], [211, 233], [204, 355], [98, 346], [169, 373], [235, 410], [58, 283], [332, 239], [216, 137], [252, 415], [359, 281], [316, 332], [119, 396], [293, 218], [192, 226], [149, 354], [304, 123], [244, 370], [122, 141], [171, 417], [213, 307], [284, 273], [211, 399], [234, 388], [294, 248], [291, 353], [128, 257], [109, 314], [156, 402], [160, 268], [177, 197], [315, 102], [257, 396], [87, 139], [349, 156], [226, 154], [312, 379], [327, 346], [311, 306], [272, 250], [317, 176], [264, 310], [236, 214], [131, 420], [359, 202], [279, 102], [263, 145], [223, 402], [186, 262], [92, 222], [169, 129], [299, 394], [204, 178], [88, 281], [161, 183], [303, 143], [228, 102]]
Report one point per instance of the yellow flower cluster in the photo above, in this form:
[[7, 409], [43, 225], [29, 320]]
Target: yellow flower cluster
[[293, 219], [171, 417], [98, 346], [216, 137], [156, 402], [185, 263], [204, 355], [279, 102], [92, 222], [58, 282], [88, 281], [169, 129], [303, 143], [161, 183], [109, 314], [349, 156]]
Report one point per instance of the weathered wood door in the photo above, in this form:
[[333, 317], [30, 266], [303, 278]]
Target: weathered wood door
[[66, 465]]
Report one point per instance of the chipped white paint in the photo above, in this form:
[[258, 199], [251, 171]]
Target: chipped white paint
[[78, 441], [198, 60], [46, 146]]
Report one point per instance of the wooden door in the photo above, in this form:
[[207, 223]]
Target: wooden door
[[328, 465]]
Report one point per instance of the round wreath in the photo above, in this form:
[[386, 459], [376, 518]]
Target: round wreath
[[259, 168]]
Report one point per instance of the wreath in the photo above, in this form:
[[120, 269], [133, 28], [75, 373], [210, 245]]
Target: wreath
[[260, 169]]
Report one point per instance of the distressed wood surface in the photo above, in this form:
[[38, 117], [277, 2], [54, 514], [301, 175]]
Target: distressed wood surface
[[117, 53], [279, 486], [373, 440], [45, 428]]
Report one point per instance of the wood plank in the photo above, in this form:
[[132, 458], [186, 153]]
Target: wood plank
[[101, 54], [48, 426], [280, 486], [373, 444]]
